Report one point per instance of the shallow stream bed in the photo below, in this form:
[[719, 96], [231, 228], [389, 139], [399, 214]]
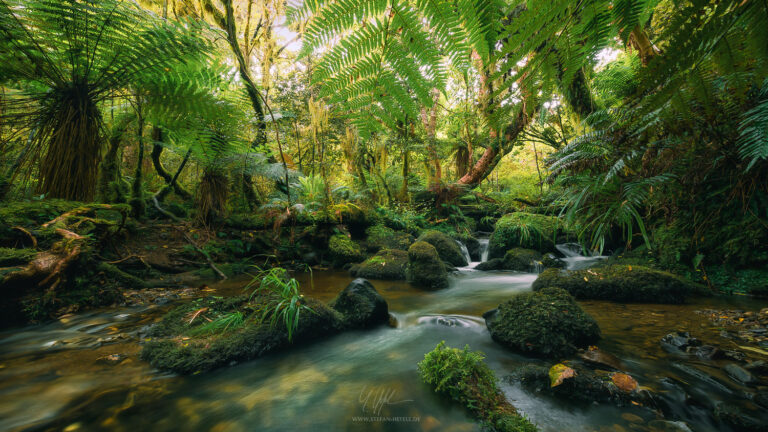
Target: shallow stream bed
[[60, 375]]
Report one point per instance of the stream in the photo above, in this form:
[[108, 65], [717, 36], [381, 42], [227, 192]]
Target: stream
[[59, 376]]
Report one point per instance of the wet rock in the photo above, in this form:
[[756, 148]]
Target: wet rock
[[425, 269], [622, 283], [550, 260], [669, 426], [446, 247], [632, 418], [584, 386], [706, 352], [520, 259], [735, 417], [474, 248], [739, 374], [491, 264], [600, 358], [679, 342], [547, 323], [734, 355], [387, 264], [361, 305], [759, 367]]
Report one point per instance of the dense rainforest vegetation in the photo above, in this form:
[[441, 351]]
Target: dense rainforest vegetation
[[213, 162]]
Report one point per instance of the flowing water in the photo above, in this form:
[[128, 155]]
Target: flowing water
[[51, 375]]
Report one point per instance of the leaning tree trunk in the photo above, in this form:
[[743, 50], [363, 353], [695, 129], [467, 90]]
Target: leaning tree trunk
[[157, 151]]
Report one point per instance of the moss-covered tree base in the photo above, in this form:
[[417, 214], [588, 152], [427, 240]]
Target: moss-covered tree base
[[621, 283]]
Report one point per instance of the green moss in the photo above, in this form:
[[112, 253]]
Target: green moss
[[447, 248], [188, 350], [622, 283], [246, 221], [521, 259], [387, 264], [547, 323], [425, 268], [14, 257], [382, 237], [464, 377], [343, 250], [526, 230]]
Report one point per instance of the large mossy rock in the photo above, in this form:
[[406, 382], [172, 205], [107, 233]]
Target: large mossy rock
[[546, 323], [382, 237], [447, 248], [621, 283], [521, 259], [425, 269], [462, 375], [343, 250], [212, 332], [361, 305], [387, 264], [525, 230], [178, 346]]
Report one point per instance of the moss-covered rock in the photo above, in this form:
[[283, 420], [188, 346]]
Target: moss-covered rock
[[526, 230], [546, 323], [361, 305], [583, 385], [492, 264], [425, 268], [474, 247], [464, 377], [447, 248], [521, 259], [549, 260], [343, 250], [387, 264], [189, 349], [381, 237], [622, 283]]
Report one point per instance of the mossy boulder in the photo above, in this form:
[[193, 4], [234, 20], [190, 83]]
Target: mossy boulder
[[550, 260], [425, 269], [492, 264], [382, 237], [361, 305], [547, 323], [387, 264], [463, 376], [521, 259], [621, 283], [343, 250], [187, 349], [525, 230], [447, 248]]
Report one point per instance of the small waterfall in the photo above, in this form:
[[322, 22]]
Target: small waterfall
[[537, 266], [464, 251], [569, 250], [574, 260], [483, 249]]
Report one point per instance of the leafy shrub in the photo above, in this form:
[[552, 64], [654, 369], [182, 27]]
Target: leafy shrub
[[526, 230], [280, 298]]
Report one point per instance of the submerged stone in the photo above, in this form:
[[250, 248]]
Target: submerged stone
[[547, 323], [622, 283], [425, 269]]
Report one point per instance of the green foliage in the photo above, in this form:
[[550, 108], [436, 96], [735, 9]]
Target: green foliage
[[279, 297], [526, 230], [464, 377], [13, 257], [546, 323], [382, 237], [230, 321]]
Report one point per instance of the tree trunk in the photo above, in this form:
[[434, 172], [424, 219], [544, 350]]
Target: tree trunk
[[137, 200], [157, 151]]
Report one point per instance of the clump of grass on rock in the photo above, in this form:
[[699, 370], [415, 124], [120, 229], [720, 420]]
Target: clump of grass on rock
[[464, 377]]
